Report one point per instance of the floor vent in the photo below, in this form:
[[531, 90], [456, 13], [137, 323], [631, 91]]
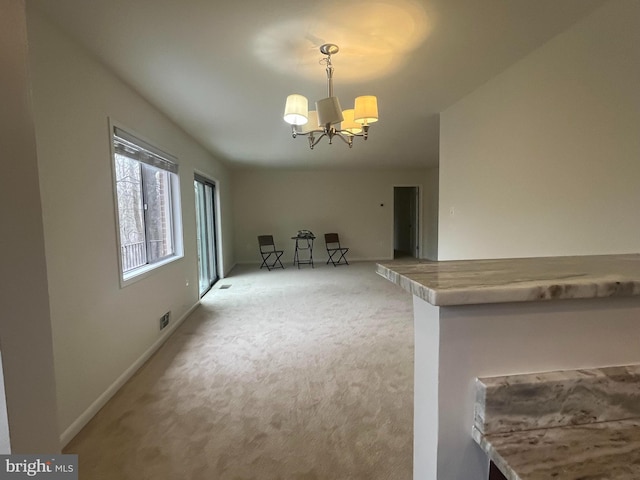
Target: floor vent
[[224, 287], [164, 320]]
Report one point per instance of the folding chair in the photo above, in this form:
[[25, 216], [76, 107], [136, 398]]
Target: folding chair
[[332, 240], [267, 249]]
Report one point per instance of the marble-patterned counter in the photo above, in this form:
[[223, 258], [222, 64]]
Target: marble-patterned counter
[[466, 282], [596, 451], [563, 425], [487, 318]]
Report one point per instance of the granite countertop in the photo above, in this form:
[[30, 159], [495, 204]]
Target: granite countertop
[[568, 425], [467, 282], [596, 451]]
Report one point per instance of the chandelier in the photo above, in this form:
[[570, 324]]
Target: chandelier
[[328, 119]]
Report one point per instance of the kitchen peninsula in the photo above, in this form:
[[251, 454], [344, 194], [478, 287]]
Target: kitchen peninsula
[[483, 318]]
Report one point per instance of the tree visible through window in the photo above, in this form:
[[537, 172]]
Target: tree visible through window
[[145, 183]]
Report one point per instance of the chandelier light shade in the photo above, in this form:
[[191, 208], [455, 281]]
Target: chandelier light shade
[[329, 120], [366, 110], [329, 111], [296, 110]]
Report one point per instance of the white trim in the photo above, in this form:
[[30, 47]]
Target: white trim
[[217, 203], [319, 262], [218, 225], [127, 278], [145, 270], [5, 439], [228, 272], [89, 413]]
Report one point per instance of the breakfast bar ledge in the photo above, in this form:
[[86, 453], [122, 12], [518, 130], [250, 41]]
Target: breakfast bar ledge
[[482, 318]]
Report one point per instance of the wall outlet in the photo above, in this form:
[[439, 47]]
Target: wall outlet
[[164, 320]]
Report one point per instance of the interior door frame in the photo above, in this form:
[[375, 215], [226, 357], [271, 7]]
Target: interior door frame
[[417, 254]]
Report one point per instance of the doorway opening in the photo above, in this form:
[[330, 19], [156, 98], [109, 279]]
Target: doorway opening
[[206, 233], [406, 222]]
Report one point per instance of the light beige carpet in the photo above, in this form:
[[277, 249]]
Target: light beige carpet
[[289, 374]]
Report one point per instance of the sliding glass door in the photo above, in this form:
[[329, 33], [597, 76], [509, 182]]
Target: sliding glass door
[[206, 233]]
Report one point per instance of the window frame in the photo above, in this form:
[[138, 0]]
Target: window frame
[[175, 217]]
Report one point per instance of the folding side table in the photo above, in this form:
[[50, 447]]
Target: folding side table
[[303, 243]]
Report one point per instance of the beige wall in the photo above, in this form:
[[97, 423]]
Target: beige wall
[[431, 201], [25, 328], [544, 159], [281, 202], [101, 331]]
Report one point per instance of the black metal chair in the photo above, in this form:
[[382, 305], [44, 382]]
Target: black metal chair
[[332, 241], [267, 249]]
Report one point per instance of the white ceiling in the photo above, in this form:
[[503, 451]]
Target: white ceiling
[[222, 69]]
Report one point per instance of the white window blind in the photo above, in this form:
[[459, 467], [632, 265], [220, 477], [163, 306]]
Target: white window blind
[[130, 146]]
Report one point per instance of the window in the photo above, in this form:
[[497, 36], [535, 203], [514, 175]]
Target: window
[[147, 199]]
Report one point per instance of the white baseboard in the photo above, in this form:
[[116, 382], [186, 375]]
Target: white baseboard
[[375, 260], [320, 261], [100, 402], [227, 272]]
